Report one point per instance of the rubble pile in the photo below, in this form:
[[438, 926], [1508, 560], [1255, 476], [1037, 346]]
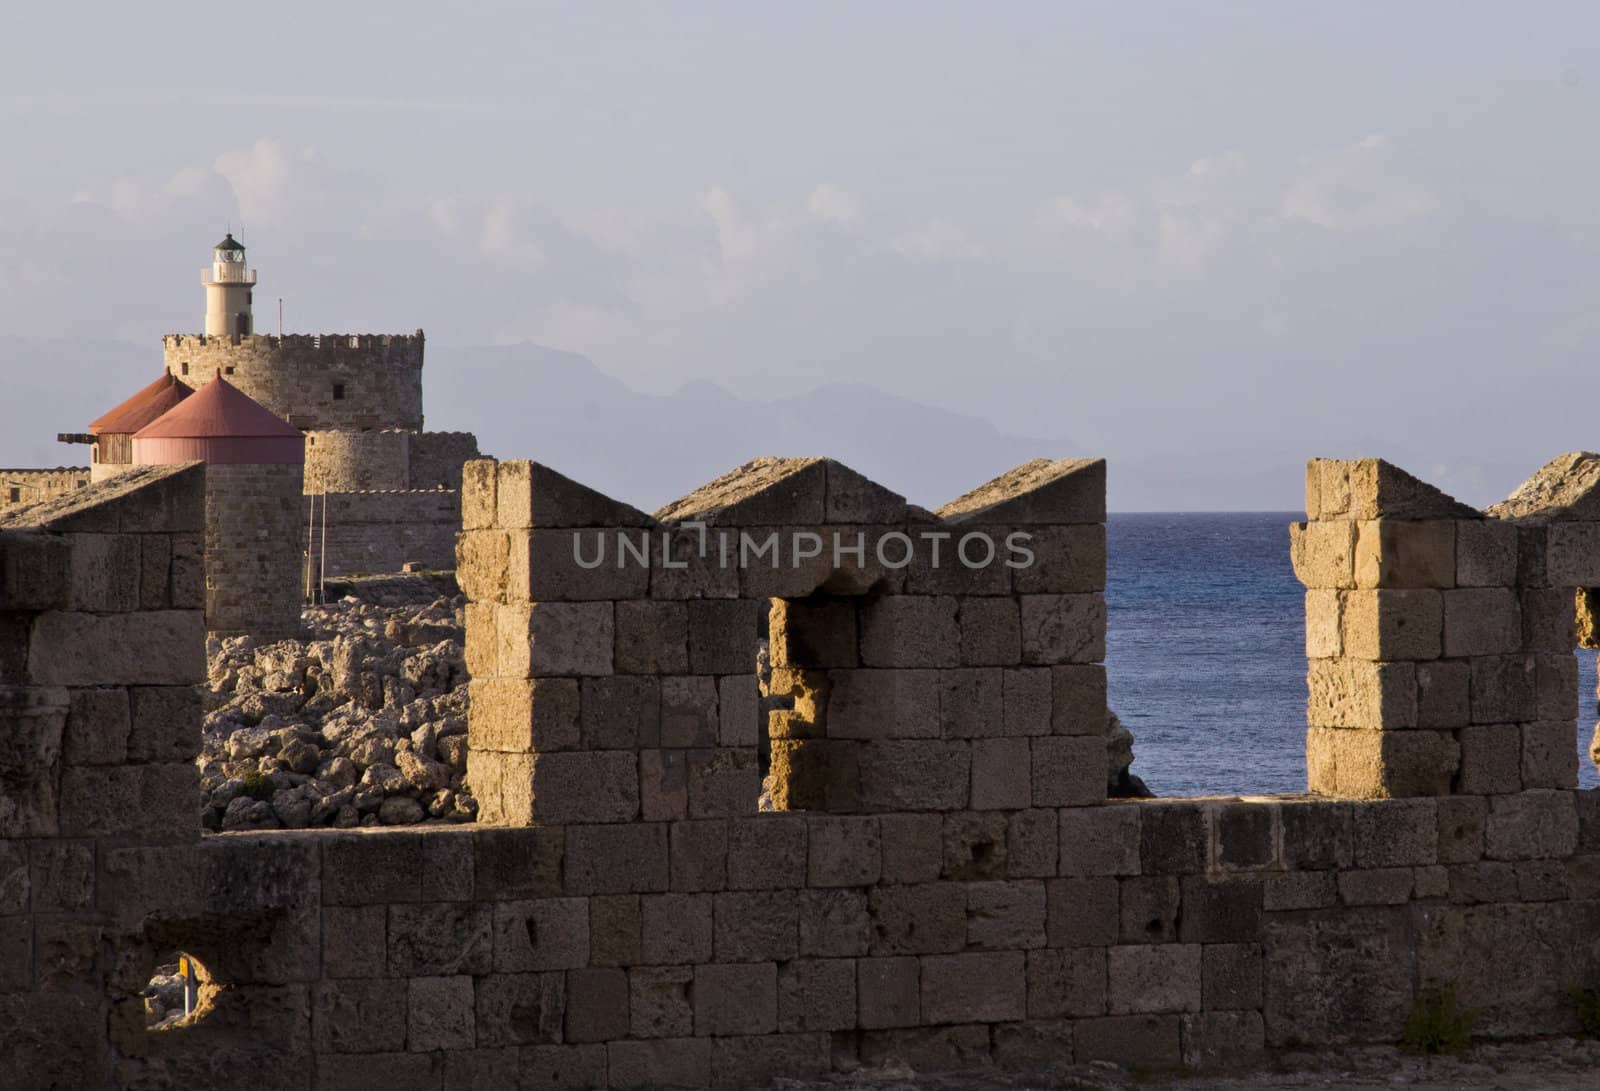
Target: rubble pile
[[362, 723]]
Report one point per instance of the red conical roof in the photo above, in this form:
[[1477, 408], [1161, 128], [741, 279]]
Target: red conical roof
[[142, 408], [217, 409]]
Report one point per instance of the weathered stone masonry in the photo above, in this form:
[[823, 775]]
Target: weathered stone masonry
[[626, 919]]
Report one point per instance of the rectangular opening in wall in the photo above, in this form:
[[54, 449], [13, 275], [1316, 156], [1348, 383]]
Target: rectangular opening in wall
[[338, 392], [227, 371], [16, 495], [184, 367]]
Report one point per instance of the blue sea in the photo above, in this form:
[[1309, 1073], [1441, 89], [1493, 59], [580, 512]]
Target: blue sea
[[1206, 653]]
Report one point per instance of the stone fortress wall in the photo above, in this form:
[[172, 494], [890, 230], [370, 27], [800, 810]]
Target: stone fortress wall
[[19, 487], [944, 884], [349, 382]]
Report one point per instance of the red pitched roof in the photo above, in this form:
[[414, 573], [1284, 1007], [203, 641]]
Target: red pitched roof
[[218, 409], [143, 407]]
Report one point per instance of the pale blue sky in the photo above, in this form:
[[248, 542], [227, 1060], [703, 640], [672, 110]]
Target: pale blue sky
[[1204, 234]]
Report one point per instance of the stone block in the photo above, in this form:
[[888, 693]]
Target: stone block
[[440, 939], [739, 716], [152, 648], [975, 845], [16, 955], [991, 632], [396, 1071], [1548, 620], [1068, 770], [618, 712], [1221, 910], [834, 923], [1006, 915], [34, 571], [482, 648], [518, 715], [1534, 825], [58, 875], [1066, 983], [661, 1001], [586, 786], [478, 494], [358, 1016], [1549, 755], [664, 784], [1461, 822], [439, 1014], [910, 631], [1149, 909], [1556, 687], [888, 992], [1323, 554], [1317, 834], [1443, 694], [1394, 553], [97, 727], [1504, 689], [737, 998], [554, 638], [1173, 837], [1026, 694], [1300, 890], [1083, 912], [149, 800], [520, 1009], [1150, 979], [971, 703], [662, 1063], [1486, 553], [742, 1061], [561, 566], [675, 928], [1223, 1039], [652, 638], [1063, 629], [1065, 559], [544, 1068], [528, 494], [755, 926], [928, 1049], [1380, 764], [918, 919], [883, 704], [914, 775], [547, 934], [1324, 607], [512, 863], [1482, 621], [723, 783], [1394, 624], [689, 711], [483, 564], [974, 987], [597, 1005], [844, 851], [1101, 840], [1376, 886], [447, 865], [722, 635], [1244, 835], [1574, 554], [103, 574], [1430, 882], [614, 928], [815, 633], [371, 868], [817, 995], [699, 855], [1031, 844], [1361, 694], [617, 859], [766, 852], [1396, 833], [1491, 759], [1230, 977], [913, 847]]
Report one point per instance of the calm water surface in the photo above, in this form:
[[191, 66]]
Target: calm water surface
[[1206, 653]]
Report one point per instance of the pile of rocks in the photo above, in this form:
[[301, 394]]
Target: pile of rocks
[[362, 723], [163, 998]]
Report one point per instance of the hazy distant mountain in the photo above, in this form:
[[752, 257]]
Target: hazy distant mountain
[[526, 401]]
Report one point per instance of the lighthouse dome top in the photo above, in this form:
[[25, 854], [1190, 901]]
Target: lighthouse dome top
[[230, 244]]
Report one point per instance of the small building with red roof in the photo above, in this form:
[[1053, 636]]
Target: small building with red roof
[[112, 432]]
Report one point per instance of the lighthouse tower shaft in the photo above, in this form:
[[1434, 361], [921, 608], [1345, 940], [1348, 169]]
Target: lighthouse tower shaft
[[230, 291]]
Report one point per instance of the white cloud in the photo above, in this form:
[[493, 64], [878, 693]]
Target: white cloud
[[832, 204]]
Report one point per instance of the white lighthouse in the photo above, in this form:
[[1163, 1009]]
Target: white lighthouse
[[230, 287]]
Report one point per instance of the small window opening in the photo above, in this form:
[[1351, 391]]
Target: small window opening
[[185, 367], [227, 371], [16, 495], [338, 392]]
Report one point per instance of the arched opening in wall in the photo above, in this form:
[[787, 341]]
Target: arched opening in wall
[[178, 994]]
